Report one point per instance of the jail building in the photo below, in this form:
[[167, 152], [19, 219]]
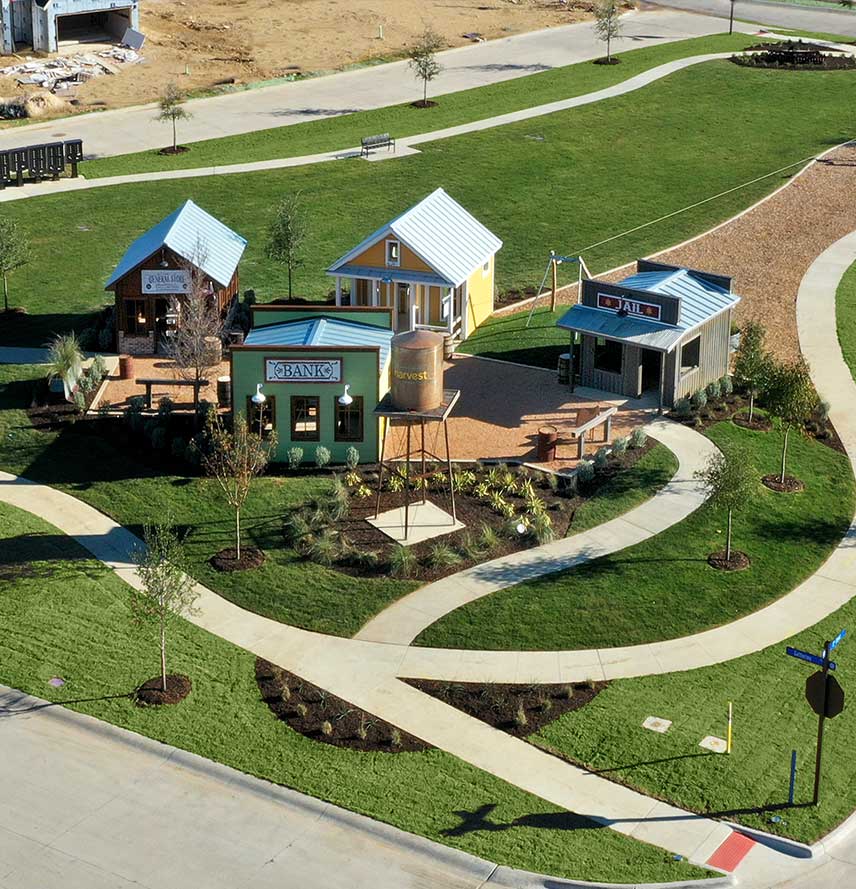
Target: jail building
[[664, 331]]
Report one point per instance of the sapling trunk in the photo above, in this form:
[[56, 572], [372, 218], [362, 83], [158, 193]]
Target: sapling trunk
[[751, 404], [174, 137], [728, 539], [238, 534], [289, 280], [785, 453], [424, 91], [5, 293], [163, 650]]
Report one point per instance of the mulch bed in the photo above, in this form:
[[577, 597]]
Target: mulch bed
[[605, 61], [790, 485], [518, 710], [151, 693], [424, 103], [306, 708], [738, 561], [179, 149], [227, 560], [757, 424]]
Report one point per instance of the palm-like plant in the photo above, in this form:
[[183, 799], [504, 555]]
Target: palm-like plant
[[65, 361]]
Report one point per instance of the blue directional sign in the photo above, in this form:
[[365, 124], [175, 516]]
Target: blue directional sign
[[807, 656], [837, 639]]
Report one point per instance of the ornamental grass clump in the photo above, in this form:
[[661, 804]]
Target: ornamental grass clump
[[402, 562], [442, 555], [488, 538], [470, 547], [638, 438], [541, 528], [324, 548]]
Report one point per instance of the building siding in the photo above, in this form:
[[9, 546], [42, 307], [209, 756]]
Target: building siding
[[479, 297], [713, 356], [375, 256]]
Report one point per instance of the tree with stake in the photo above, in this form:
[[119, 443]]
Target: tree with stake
[[287, 234], [167, 592], [791, 398], [753, 365], [423, 61], [236, 457], [729, 482], [14, 252], [607, 24], [172, 110]]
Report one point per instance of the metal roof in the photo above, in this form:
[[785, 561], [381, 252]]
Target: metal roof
[[444, 235], [392, 274], [700, 299], [323, 332], [195, 236], [637, 331]]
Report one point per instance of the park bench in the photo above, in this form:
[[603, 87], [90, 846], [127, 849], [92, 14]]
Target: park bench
[[589, 418], [384, 140], [160, 381]]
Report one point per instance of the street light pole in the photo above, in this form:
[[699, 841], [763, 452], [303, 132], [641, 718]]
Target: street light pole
[[731, 18], [259, 400]]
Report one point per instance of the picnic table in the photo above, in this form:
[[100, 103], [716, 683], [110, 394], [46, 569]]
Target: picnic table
[[148, 382], [587, 419]]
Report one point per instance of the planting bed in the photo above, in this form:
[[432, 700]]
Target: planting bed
[[152, 694], [227, 559]]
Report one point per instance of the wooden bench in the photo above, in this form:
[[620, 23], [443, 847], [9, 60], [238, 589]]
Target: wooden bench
[[383, 140], [589, 418], [149, 382]]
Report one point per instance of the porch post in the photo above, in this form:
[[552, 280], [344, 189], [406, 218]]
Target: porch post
[[450, 302], [338, 291], [661, 393], [571, 362], [375, 291]]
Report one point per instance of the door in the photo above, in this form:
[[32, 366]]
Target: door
[[650, 370], [402, 309]]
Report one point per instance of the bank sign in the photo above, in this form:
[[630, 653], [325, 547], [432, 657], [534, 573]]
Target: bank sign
[[651, 311], [166, 281], [303, 370]]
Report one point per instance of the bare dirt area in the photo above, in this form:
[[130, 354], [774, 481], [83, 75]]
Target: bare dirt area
[[204, 44]]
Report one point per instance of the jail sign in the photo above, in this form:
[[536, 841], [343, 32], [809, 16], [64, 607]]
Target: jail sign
[[303, 370], [627, 306]]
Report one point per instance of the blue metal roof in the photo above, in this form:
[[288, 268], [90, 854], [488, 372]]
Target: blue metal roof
[[444, 235], [323, 332], [700, 299], [639, 332], [195, 236], [391, 274]]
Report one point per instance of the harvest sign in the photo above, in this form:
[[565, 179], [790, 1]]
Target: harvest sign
[[628, 306], [303, 370]]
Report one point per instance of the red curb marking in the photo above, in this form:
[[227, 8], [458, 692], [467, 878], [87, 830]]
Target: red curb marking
[[732, 851]]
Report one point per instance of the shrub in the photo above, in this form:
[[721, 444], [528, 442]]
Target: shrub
[[323, 548], [352, 479], [79, 402], [295, 527], [822, 412], [712, 390], [482, 491], [352, 458], [193, 454], [536, 506], [295, 458], [363, 492], [136, 404], [638, 438], [494, 476], [302, 710], [402, 562], [340, 499], [165, 406], [726, 386], [158, 438], [470, 547], [497, 502], [395, 482], [488, 538], [87, 339], [699, 399], [464, 479], [585, 472], [683, 407], [322, 456], [177, 447], [619, 446], [527, 490], [326, 728], [86, 384], [541, 528], [520, 719], [553, 481], [507, 511], [439, 480], [395, 738], [601, 459], [105, 339], [99, 368], [443, 556]]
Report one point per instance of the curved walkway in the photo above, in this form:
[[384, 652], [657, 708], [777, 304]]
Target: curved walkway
[[407, 617]]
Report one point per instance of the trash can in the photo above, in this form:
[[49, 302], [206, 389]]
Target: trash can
[[224, 391], [547, 438], [565, 369], [126, 367]]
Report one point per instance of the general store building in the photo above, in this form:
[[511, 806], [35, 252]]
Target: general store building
[[664, 330]]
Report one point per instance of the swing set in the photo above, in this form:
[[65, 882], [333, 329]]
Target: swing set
[[553, 264]]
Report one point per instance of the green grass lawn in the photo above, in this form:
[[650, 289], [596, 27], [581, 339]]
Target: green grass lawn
[[508, 338], [554, 191], [346, 130], [64, 614], [845, 314], [663, 588], [771, 718]]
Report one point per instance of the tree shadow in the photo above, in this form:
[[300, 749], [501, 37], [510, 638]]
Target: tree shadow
[[35, 330], [8, 712], [23, 550], [650, 762], [478, 820]]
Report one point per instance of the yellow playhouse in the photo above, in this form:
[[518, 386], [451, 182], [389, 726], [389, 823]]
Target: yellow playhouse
[[433, 266]]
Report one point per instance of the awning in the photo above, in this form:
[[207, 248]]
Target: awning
[[390, 274], [623, 328]]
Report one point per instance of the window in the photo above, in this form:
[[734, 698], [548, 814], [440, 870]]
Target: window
[[262, 416], [135, 317], [305, 418], [690, 355], [393, 253], [608, 355], [349, 420], [364, 292]]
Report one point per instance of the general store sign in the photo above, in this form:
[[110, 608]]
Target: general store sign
[[303, 370], [166, 281], [628, 306]]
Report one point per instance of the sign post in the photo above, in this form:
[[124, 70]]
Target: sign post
[[728, 741], [793, 777], [820, 722]]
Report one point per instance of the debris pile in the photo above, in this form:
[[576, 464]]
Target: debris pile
[[65, 72]]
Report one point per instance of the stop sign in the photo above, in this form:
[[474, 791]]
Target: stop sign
[[814, 693]]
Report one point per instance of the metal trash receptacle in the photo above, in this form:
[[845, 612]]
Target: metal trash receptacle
[[224, 391], [126, 367], [547, 440], [564, 369]]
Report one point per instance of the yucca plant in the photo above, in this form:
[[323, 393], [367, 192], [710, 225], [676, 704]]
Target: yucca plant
[[507, 511], [363, 492], [527, 490], [395, 483], [497, 502], [494, 476], [464, 479], [352, 479], [402, 562], [64, 361], [439, 480], [482, 490], [536, 506]]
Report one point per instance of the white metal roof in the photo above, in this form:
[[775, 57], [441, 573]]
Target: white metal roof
[[195, 236], [448, 238]]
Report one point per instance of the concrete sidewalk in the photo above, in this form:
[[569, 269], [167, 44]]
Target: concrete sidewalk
[[134, 129]]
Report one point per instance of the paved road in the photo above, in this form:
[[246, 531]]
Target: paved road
[[780, 15], [133, 129]]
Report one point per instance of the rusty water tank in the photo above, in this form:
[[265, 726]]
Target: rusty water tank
[[417, 370]]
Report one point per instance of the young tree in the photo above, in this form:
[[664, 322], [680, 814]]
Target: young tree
[[168, 592], [607, 23], [287, 234], [235, 458], [753, 365], [65, 361], [192, 345], [172, 110], [791, 398], [423, 60], [729, 482], [14, 252]]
